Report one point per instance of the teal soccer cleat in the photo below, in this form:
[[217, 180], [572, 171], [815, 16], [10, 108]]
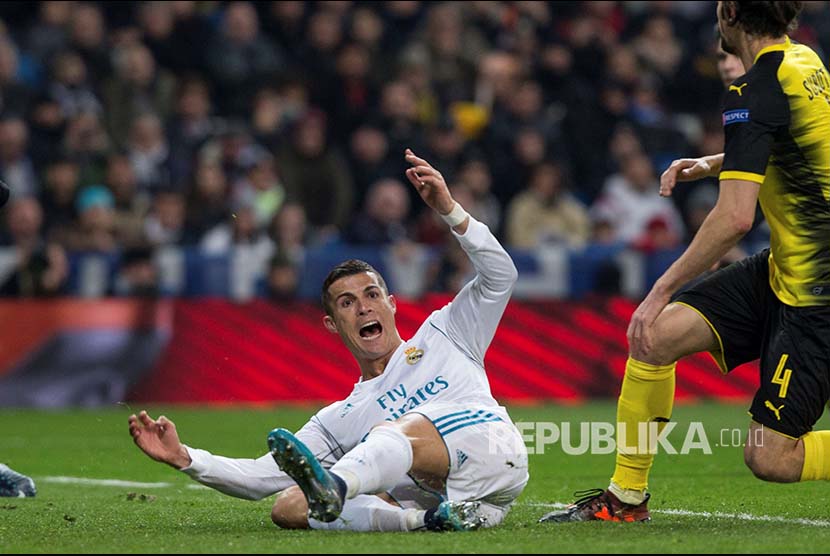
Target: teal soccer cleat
[[455, 516], [321, 488]]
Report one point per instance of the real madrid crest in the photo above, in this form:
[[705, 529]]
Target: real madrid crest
[[413, 355]]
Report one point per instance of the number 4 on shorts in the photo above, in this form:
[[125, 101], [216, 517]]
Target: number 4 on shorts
[[782, 376]]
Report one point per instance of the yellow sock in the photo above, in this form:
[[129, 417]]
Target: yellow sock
[[647, 396], [816, 454]]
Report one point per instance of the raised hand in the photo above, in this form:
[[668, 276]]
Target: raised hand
[[429, 183], [158, 439]]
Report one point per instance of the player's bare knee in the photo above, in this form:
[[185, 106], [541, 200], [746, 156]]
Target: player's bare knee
[[656, 356], [662, 352], [771, 465], [290, 510]]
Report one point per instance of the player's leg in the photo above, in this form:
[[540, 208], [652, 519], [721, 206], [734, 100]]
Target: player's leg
[[379, 463], [362, 513], [290, 510], [413, 445], [782, 447], [390, 451], [646, 396], [772, 456], [647, 393], [723, 314]]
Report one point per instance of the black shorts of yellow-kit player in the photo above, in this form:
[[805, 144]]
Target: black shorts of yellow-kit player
[[793, 343]]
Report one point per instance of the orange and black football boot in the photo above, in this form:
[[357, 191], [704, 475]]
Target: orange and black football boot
[[599, 504]]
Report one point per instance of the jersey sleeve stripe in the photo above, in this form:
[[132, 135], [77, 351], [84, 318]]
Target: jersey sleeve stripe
[[737, 175]]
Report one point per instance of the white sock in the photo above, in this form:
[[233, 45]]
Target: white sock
[[367, 512], [377, 464], [627, 495]]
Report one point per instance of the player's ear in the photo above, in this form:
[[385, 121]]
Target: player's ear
[[730, 13], [394, 303], [330, 325]]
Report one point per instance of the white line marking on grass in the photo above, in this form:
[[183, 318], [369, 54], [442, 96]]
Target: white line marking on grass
[[715, 515], [102, 482], [749, 517]]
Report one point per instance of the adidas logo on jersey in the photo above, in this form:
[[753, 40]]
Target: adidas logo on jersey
[[461, 457]]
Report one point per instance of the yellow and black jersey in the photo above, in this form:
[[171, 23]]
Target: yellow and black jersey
[[777, 126]]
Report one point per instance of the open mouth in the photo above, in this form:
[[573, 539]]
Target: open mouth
[[371, 330]]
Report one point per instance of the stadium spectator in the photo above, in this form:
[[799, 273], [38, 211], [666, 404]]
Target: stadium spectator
[[131, 205], [484, 207], [445, 144], [383, 219], [14, 95], [730, 67], [207, 202], [240, 57], [240, 229], [289, 232], [261, 182], [629, 202], [88, 37], [282, 279], [398, 116], [547, 213], [60, 186], [96, 229], [70, 86], [270, 117], [149, 152], [48, 35], [157, 21], [16, 167], [165, 224], [190, 126], [137, 87], [313, 174], [41, 268], [87, 141]]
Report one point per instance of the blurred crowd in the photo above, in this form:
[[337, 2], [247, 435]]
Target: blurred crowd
[[130, 126]]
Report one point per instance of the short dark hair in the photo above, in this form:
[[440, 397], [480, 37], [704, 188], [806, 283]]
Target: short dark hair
[[347, 268], [765, 19]]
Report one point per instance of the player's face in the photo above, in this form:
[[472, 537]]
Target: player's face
[[364, 315]]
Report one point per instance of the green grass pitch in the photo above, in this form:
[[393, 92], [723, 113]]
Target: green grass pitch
[[701, 502]]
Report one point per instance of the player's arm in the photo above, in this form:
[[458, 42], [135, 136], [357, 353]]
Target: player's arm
[[752, 120], [251, 479], [471, 319]]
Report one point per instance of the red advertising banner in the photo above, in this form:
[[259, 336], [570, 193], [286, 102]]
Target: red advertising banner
[[69, 352]]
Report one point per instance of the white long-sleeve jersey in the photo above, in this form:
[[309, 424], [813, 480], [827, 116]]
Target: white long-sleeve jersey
[[439, 372]]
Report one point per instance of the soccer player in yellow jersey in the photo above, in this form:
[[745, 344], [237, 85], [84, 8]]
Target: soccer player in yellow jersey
[[774, 305]]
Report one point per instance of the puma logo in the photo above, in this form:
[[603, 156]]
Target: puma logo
[[738, 89], [776, 410]]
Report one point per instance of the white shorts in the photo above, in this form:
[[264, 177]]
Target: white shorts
[[488, 458]]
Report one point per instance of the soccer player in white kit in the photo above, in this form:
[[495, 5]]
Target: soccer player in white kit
[[420, 442]]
